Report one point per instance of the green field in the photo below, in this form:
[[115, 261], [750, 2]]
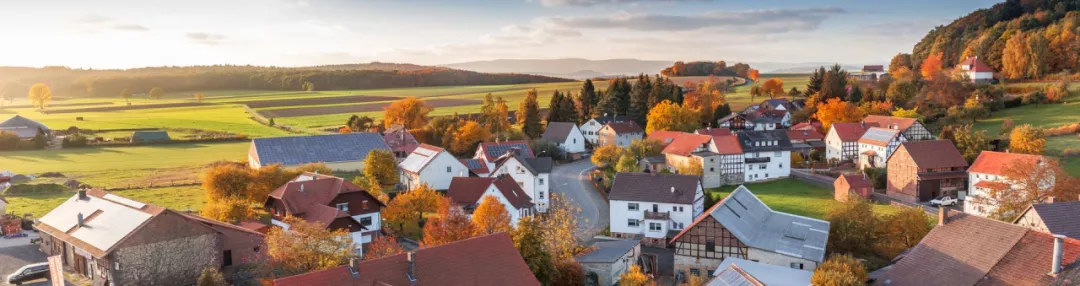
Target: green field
[[178, 198], [740, 99], [795, 197], [1045, 116]]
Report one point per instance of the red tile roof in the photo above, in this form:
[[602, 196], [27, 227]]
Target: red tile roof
[[931, 154], [816, 125], [310, 199], [727, 145], [975, 65], [856, 181], [1029, 261], [873, 68], [469, 190], [400, 140], [686, 143], [850, 132], [805, 135], [665, 137], [901, 123], [480, 261], [995, 163], [713, 131]]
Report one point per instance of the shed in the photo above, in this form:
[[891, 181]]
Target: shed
[[845, 185], [150, 136]]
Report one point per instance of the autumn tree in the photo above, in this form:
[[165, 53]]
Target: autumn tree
[[157, 93], [1031, 181], [360, 123], [1027, 139], [931, 65], [373, 187], [381, 165], [502, 114], [1015, 57], [901, 230], [559, 228], [407, 209], [773, 87], [307, 246], [126, 95], [898, 63], [754, 74], [411, 112], [634, 277], [227, 181], [383, 246], [852, 224], [451, 225], [642, 148], [875, 108], [968, 141], [198, 97], [668, 116], [689, 168], [467, 137], [266, 179], [528, 115], [906, 113], [755, 92], [211, 277], [490, 216], [901, 92], [840, 270], [570, 273], [40, 95], [606, 156], [529, 239], [836, 111], [229, 210], [627, 164]]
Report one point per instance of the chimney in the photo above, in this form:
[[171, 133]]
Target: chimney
[[943, 215], [82, 194], [301, 188], [1050, 200], [862, 124], [81, 220], [411, 272], [1058, 244], [354, 266], [672, 190]]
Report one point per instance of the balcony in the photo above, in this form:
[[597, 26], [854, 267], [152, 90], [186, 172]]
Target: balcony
[[657, 215]]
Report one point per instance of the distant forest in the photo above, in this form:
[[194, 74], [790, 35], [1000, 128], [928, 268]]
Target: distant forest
[[705, 68], [66, 82], [1018, 38]]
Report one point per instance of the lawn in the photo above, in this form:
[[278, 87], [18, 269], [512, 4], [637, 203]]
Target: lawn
[[740, 99], [793, 196], [1045, 116], [224, 118], [178, 198]]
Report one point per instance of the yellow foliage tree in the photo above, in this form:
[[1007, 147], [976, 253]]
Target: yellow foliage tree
[[410, 111], [229, 210], [627, 163], [906, 113], [382, 166], [199, 97], [690, 168], [901, 231], [1027, 139], [668, 116], [560, 226], [634, 277], [318, 168], [467, 137], [227, 181], [40, 95], [383, 246], [607, 155], [1014, 59], [490, 216], [408, 208], [835, 111], [307, 247], [840, 270]]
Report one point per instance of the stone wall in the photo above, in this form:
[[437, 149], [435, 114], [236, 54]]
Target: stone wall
[[177, 261], [603, 272]]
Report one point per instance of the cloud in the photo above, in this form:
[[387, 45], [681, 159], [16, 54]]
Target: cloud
[[205, 38], [92, 19], [519, 34], [303, 3], [752, 21], [130, 27], [587, 3]]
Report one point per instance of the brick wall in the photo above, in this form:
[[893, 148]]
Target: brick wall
[[173, 262]]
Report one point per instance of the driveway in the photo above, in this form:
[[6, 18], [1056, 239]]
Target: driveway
[[16, 253], [571, 181]]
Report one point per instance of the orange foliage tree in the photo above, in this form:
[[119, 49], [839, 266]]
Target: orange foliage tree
[[467, 137], [406, 210], [1032, 181], [383, 246], [773, 87], [490, 216], [410, 111], [754, 74], [931, 65], [307, 247], [451, 225], [1027, 139], [836, 111]]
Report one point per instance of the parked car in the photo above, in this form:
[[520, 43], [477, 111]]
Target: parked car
[[28, 273], [944, 201]]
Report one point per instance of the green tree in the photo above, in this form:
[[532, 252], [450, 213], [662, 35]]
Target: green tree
[[898, 62], [529, 241], [627, 164], [968, 141], [856, 94], [720, 112], [1038, 57], [642, 148], [835, 83], [157, 93], [1035, 98], [126, 95], [901, 230], [639, 98], [900, 92], [755, 91], [528, 115], [587, 101], [381, 165], [308, 86], [817, 79]]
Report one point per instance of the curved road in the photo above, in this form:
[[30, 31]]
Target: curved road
[[571, 181]]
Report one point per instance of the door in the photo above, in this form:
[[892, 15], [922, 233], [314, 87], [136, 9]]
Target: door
[[655, 208], [228, 258]]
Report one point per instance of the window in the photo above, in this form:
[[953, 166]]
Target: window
[[228, 258], [365, 221], [520, 170], [776, 154], [653, 226], [781, 165], [761, 167], [711, 169], [695, 272], [448, 169], [256, 249], [575, 140], [796, 265], [632, 206], [541, 181], [632, 223], [710, 245], [364, 204], [343, 207], [541, 195]]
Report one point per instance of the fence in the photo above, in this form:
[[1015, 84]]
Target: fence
[[153, 184], [808, 177]]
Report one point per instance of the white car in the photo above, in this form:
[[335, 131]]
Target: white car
[[944, 201]]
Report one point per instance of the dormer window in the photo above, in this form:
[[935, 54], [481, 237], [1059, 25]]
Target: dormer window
[[343, 207]]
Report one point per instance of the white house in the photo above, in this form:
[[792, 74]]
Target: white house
[[3, 205], [469, 192], [912, 129], [976, 70], [566, 135], [431, 165], [876, 145], [766, 155], [620, 134], [488, 152], [842, 141], [989, 172], [591, 129], [652, 205], [532, 174]]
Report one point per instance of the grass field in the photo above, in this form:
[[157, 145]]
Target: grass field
[[740, 99], [1045, 116], [177, 198], [795, 197]]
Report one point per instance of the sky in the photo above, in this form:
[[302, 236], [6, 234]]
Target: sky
[[105, 34]]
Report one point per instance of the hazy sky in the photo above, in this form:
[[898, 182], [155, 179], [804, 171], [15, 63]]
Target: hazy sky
[[134, 33]]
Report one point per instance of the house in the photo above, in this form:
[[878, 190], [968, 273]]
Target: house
[[687, 148], [764, 119], [654, 164], [340, 152], [712, 131], [734, 271], [468, 192], [489, 151], [869, 73], [1052, 217], [25, 128], [150, 136], [591, 129], [113, 240], [650, 206], [809, 125], [566, 135], [532, 174], [805, 140], [609, 259], [664, 137], [976, 70], [330, 201], [780, 104], [988, 173], [432, 166], [966, 249], [3, 204], [477, 167], [400, 141], [620, 133], [743, 227], [848, 185], [876, 145], [912, 129], [920, 171], [766, 155], [735, 121], [489, 260], [842, 141]]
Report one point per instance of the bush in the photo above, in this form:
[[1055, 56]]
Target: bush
[[35, 189], [840, 270], [211, 277], [1070, 152], [8, 141], [1063, 130], [878, 176], [74, 141], [547, 148]]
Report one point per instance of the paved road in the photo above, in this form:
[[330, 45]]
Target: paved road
[[571, 181]]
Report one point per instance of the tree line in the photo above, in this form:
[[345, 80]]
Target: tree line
[[706, 68]]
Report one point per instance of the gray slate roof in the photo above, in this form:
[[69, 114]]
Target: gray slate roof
[[18, 121], [318, 148], [749, 140], [537, 165], [654, 187], [755, 224], [608, 251], [607, 119], [144, 136], [1060, 217], [767, 274], [558, 131]]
